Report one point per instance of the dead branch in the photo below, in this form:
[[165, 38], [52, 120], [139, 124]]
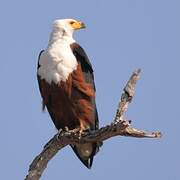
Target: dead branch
[[119, 127]]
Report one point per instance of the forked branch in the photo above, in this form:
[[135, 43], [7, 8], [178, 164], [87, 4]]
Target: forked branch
[[119, 127]]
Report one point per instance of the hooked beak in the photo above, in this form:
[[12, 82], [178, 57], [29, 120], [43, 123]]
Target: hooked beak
[[78, 25]]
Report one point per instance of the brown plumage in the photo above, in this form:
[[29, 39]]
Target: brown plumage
[[72, 103], [69, 102]]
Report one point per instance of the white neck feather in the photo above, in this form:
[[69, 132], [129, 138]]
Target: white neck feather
[[60, 36], [57, 61]]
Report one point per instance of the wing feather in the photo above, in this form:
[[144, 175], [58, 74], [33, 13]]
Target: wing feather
[[87, 70]]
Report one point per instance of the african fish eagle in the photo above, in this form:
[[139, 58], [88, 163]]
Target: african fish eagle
[[66, 84]]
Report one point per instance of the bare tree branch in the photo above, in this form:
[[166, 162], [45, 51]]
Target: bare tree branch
[[119, 127]]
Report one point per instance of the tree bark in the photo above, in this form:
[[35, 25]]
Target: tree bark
[[119, 127]]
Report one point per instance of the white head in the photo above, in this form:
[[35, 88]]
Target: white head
[[67, 25], [65, 28]]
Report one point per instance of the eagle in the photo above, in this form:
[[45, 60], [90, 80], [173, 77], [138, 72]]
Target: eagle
[[66, 83]]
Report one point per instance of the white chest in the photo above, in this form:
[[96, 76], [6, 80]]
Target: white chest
[[57, 62]]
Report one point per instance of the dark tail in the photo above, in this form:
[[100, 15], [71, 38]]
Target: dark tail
[[86, 152]]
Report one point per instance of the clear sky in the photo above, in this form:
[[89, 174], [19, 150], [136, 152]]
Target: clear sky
[[121, 36]]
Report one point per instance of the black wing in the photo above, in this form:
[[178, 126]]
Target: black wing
[[38, 78], [87, 69]]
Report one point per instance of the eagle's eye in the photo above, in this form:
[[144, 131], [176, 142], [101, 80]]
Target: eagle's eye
[[71, 22]]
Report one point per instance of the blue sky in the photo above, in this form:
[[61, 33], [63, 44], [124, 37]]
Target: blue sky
[[121, 36]]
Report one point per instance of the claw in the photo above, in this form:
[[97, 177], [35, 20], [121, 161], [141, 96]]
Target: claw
[[76, 130], [59, 133], [66, 128]]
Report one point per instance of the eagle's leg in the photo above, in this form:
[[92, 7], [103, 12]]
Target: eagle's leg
[[83, 126]]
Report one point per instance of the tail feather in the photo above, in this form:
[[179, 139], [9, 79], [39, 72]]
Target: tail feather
[[86, 153]]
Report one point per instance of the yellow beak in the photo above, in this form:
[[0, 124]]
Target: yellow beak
[[78, 25]]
